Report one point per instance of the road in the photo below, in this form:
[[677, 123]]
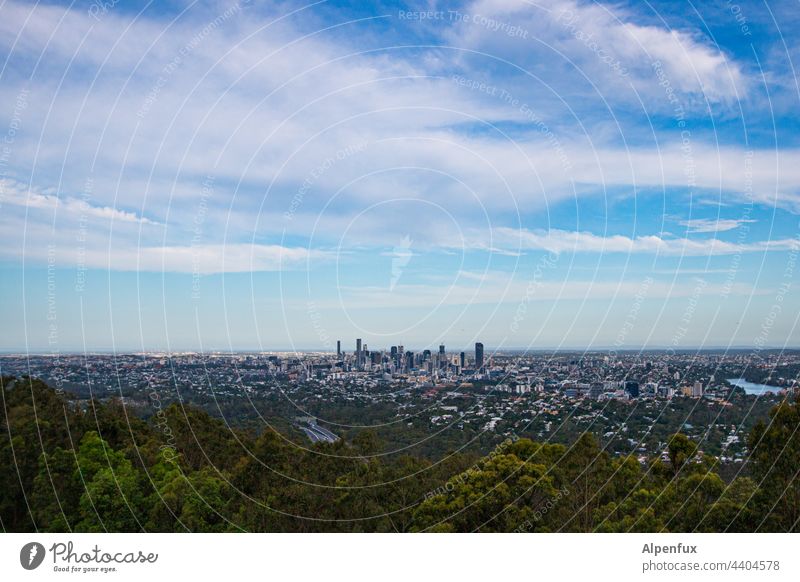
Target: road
[[318, 434]]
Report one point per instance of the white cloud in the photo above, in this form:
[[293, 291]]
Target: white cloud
[[472, 275], [202, 259], [604, 44], [717, 225], [262, 110], [506, 287], [561, 241], [14, 193]]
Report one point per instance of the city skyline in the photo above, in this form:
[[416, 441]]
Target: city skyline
[[607, 350]]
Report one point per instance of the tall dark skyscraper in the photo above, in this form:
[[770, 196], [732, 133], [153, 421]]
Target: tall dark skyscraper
[[338, 348], [478, 356], [358, 352], [463, 360], [441, 349], [632, 388]]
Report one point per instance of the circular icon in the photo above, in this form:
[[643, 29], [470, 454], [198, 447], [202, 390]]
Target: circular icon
[[31, 555]]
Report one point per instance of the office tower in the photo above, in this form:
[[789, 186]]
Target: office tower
[[697, 390], [358, 352], [338, 349], [478, 356], [632, 388], [394, 352], [441, 349], [426, 355], [463, 360], [409, 360]]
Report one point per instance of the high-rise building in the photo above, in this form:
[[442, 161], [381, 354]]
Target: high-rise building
[[358, 352], [632, 388], [463, 360], [441, 349], [478, 356], [338, 349], [697, 390]]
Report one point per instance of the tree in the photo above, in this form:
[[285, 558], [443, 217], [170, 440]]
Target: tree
[[681, 451], [502, 494], [56, 492], [733, 510], [775, 465], [111, 498]]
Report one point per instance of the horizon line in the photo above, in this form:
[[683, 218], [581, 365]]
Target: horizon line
[[607, 350]]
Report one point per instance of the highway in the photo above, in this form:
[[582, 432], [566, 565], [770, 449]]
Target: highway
[[318, 434]]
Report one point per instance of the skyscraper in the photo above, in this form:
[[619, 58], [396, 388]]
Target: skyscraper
[[358, 352], [339, 349], [632, 388], [697, 390], [478, 356], [463, 360]]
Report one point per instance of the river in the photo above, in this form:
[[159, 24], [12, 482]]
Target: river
[[752, 388]]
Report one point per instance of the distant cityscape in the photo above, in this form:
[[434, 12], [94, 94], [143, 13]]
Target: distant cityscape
[[399, 361], [597, 375], [632, 401]]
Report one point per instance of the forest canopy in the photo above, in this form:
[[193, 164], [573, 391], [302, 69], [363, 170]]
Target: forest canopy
[[96, 468]]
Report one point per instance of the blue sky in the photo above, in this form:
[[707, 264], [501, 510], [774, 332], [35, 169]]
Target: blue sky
[[258, 175]]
